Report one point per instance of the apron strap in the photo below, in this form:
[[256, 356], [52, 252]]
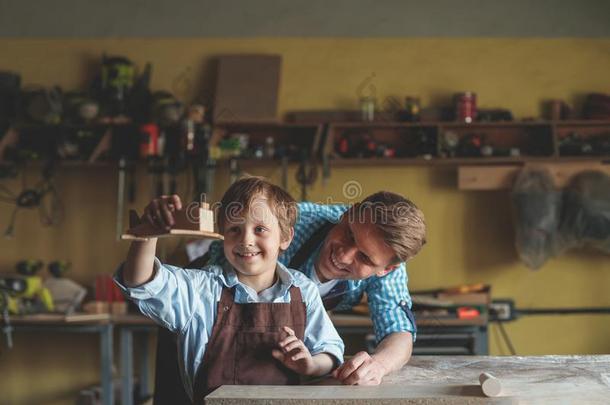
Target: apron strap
[[314, 240], [298, 311], [295, 294], [227, 299]]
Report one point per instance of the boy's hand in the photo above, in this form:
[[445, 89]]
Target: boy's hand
[[293, 354], [160, 211]]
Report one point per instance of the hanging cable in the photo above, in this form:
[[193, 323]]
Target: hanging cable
[[507, 340]]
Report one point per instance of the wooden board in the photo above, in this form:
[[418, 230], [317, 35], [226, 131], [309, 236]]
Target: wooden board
[[503, 177], [59, 318], [173, 233], [195, 222], [450, 380], [247, 88]]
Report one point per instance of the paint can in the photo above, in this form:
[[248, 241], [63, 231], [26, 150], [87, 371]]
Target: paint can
[[465, 107]]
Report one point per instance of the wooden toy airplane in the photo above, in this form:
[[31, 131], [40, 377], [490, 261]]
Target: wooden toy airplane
[[191, 221]]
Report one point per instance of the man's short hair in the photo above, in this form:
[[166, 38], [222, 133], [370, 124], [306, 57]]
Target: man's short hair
[[239, 197], [401, 222]]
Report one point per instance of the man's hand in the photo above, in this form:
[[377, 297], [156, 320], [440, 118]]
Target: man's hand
[[293, 353], [362, 369], [160, 211]]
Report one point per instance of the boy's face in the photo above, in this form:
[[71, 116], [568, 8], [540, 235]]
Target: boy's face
[[252, 240]]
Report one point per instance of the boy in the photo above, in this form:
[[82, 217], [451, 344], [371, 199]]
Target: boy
[[249, 320]]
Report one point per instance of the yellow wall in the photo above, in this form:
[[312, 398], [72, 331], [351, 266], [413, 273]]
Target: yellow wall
[[470, 233]]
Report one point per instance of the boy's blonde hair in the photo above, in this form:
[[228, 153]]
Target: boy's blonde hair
[[239, 197], [401, 222]]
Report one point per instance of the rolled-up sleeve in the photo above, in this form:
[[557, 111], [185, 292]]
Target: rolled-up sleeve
[[390, 304], [169, 298], [320, 333]]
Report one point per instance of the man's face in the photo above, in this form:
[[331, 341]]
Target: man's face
[[354, 249]]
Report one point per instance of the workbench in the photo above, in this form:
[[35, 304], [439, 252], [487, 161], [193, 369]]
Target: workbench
[[55, 323], [450, 380], [104, 325], [133, 326], [446, 336]]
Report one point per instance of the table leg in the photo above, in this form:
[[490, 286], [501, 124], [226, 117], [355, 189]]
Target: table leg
[[144, 364], [126, 366], [106, 351], [481, 344]]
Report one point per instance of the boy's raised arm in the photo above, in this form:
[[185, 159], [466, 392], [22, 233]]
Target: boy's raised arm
[[138, 268]]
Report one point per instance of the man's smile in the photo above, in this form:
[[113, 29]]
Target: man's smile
[[336, 263]]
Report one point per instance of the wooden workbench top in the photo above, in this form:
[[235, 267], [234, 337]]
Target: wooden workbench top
[[452, 380]]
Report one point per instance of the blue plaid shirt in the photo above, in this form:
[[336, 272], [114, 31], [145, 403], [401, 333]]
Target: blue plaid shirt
[[388, 296]]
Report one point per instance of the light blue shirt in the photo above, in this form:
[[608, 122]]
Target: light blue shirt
[[388, 296], [185, 301]]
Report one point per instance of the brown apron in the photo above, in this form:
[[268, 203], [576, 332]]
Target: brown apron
[[239, 349]]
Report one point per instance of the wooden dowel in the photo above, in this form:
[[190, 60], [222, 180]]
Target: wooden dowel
[[490, 385]]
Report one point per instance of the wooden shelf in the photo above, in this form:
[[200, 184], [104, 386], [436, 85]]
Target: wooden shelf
[[446, 143], [295, 139], [257, 162], [486, 161], [539, 141]]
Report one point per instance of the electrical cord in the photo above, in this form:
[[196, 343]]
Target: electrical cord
[[540, 311], [562, 311], [43, 196], [506, 339]]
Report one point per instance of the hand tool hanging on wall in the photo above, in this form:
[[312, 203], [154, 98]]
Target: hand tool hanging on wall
[[210, 172], [149, 150], [140, 100], [10, 87], [120, 197], [125, 148], [117, 75], [283, 153], [167, 112], [41, 106], [176, 154], [325, 156], [156, 168], [79, 139], [306, 175], [285, 172], [197, 135], [7, 329], [233, 171], [79, 108]]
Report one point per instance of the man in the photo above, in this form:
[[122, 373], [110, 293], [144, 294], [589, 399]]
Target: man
[[349, 252]]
